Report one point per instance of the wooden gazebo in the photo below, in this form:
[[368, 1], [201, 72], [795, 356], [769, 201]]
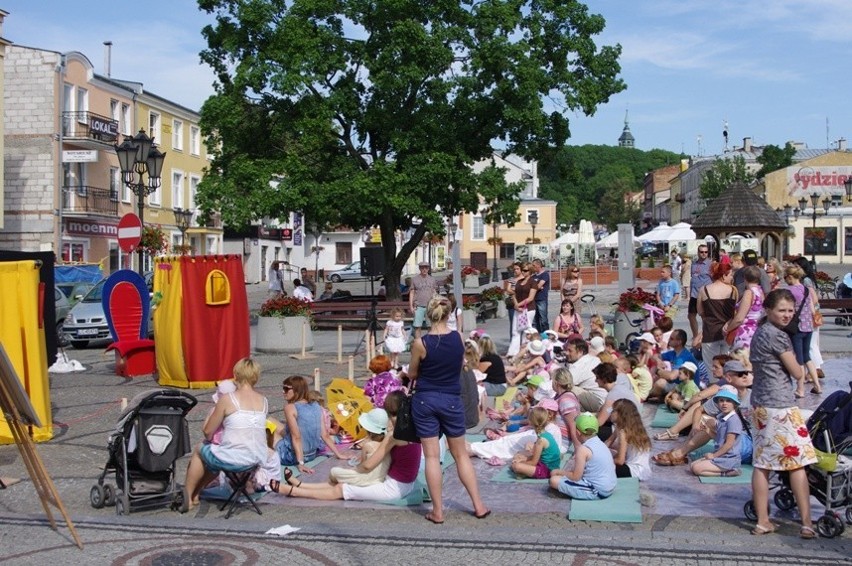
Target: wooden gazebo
[[739, 211]]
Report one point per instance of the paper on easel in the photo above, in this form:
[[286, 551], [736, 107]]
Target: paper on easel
[[283, 530]]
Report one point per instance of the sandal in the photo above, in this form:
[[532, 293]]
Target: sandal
[[807, 533], [288, 475], [668, 459], [759, 530], [666, 435]]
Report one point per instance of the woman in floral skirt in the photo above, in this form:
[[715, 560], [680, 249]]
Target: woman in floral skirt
[[781, 439]]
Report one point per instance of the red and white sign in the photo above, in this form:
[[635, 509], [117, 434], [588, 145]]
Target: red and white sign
[[129, 232]]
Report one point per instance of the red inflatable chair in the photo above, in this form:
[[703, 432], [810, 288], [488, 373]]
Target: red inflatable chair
[[126, 306]]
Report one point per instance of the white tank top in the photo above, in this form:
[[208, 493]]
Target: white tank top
[[244, 439]]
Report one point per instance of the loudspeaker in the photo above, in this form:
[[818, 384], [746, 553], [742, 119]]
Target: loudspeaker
[[372, 261]]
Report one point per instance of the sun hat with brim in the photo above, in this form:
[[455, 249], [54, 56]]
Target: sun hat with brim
[[689, 366], [536, 348], [423, 264], [375, 421], [535, 380], [551, 335], [223, 388], [586, 423], [723, 394], [597, 345], [734, 366], [847, 280], [549, 404], [648, 337]]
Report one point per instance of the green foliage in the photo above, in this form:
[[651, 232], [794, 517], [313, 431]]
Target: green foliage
[[722, 173], [774, 158], [372, 113], [587, 181], [651, 262], [638, 262]]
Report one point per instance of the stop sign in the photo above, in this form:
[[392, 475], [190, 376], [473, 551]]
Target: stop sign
[[129, 232]]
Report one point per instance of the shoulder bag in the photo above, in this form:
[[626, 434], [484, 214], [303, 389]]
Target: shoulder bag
[[793, 327], [403, 428]]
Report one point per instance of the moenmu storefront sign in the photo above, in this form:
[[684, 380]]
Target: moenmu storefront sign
[[75, 227]]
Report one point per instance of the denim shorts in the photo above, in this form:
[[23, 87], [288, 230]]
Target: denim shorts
[[580, 489], [287, 454], [437, 413], [802, 346], [214, 464]]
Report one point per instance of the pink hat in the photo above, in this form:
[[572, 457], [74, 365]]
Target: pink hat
[[549, 404]]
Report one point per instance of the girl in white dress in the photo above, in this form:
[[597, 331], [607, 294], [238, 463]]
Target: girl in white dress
[[395, 336]]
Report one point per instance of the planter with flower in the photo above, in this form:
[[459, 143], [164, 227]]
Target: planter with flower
[[497, 297], [470, 276], [826, 284], [629, 313], [470, 308], [153, 241], [283, 324]]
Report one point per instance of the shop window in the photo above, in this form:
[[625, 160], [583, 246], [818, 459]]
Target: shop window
[[821, 241], [218, 288]]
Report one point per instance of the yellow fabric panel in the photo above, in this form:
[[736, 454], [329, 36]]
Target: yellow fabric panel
[[24, 342], [167, 323]]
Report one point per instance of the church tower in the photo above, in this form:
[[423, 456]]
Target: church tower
[[626, 139]]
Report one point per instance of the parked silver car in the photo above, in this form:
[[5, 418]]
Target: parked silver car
[[348, 273]]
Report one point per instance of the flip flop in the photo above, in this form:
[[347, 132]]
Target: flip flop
[[431, 519], [667, 459], [760, 530], [666, 435], [807, 533], [483, 516]]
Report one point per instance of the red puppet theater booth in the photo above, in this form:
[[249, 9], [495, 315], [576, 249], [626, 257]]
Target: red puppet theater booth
[[201, 324]]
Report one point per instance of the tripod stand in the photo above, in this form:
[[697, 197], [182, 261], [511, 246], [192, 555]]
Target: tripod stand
[[370, 330]]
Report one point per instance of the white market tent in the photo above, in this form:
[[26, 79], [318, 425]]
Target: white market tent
[[658, 234], [611, 242], [680, 231], [569, 238]]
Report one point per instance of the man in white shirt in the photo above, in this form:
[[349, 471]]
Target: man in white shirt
[[276, 286], [581, 365], [301, 292]]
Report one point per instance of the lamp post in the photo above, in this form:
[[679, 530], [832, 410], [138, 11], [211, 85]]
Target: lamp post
[[494, 263], [183, 217], [138, 156], [457, 282], [428, 236], [826, 205], [533, 218]]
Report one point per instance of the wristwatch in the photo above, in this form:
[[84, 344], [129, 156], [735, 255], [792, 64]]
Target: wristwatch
[[301, 462]]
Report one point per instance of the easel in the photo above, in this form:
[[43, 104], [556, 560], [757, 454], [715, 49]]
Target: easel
[[19, 414]]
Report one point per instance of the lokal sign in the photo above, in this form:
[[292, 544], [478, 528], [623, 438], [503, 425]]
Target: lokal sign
[[129, 232]]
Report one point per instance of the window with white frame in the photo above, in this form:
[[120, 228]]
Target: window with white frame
[[116, 178], [125, 119], [154, 126], [82, 103], [193, 190], [114, 183], [195, 140], [156, 198], [113, 109], [212, 247], [177, 135], [478, 229], [177, 189]]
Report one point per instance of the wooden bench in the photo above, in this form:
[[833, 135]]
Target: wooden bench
[[838, 311], [354, 314]]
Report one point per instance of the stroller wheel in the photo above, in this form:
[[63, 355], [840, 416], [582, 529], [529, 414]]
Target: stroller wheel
[[749, 511], [96, 496], [829, 525], [784, 499], [849, 515], [122, 503], [109, 495]]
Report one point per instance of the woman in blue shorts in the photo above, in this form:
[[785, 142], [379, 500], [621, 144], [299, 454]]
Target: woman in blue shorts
[[435, 369]]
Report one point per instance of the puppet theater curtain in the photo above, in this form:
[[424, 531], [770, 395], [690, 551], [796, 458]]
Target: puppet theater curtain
[[201, 325]]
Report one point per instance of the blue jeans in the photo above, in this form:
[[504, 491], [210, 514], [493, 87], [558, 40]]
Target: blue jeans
[[541, 323], [511, 311]]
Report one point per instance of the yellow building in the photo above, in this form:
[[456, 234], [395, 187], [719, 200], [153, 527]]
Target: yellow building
[[828, 236], [537, 218], [176, 132]]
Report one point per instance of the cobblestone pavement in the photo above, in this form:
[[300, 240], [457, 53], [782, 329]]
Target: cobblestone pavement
[[689, 522]]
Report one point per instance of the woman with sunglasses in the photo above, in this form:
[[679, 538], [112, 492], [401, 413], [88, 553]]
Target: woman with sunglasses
[[524, 299], [299, 438], [572, 286]]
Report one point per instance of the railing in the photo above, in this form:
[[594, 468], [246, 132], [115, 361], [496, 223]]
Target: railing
[[90, 199], [88, 125]]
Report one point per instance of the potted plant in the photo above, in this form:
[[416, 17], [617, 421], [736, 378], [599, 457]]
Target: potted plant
[[629, 312], [484, 276], [496, 295], [282, 324], [153, 240], [470, 304], [470, 276]]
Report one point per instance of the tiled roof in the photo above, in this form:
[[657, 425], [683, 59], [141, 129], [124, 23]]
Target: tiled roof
[[738, 208]]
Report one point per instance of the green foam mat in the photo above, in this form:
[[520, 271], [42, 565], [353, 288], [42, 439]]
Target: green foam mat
[[664, 418], [743, 478], [506, 475], [621, 507], [312, 464]]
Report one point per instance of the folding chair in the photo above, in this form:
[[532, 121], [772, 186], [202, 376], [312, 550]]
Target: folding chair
[[239, 480]]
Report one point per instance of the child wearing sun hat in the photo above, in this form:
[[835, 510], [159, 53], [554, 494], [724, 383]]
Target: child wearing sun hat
[[726, 457], [593, 475]]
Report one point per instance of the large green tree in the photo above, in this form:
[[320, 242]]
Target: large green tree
[[773, 158], [371, 113]]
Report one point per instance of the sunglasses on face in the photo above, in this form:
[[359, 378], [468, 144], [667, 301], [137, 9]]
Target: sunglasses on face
[[287, 388]]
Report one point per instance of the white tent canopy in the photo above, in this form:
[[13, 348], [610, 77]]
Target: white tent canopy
[[570, 238], [611, 241], [680, 231], [658, 234]]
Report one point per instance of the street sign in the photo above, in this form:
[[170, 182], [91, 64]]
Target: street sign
[[129, 232]]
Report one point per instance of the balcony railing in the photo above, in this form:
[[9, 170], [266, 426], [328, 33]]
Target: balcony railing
[[90, 199], [88, 125]]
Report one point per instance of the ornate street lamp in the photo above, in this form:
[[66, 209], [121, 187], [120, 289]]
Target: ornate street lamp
[[183, 218], [494, 262], [826, 205], [533, 218], [137, 157], [847, 184]]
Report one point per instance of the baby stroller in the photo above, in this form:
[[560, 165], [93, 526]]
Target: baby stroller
[[830, 480], [844, 291], [150, 435]]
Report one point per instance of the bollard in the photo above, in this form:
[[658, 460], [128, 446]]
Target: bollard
[[351, 368], [316, 379], [340, 343], [123, 403]]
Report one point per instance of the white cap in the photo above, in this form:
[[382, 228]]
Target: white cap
[[597, 345]]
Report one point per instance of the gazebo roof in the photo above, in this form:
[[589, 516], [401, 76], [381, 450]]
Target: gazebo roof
[[737, 209]]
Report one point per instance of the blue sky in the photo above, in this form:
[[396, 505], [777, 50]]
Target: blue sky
[[776, 70]]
